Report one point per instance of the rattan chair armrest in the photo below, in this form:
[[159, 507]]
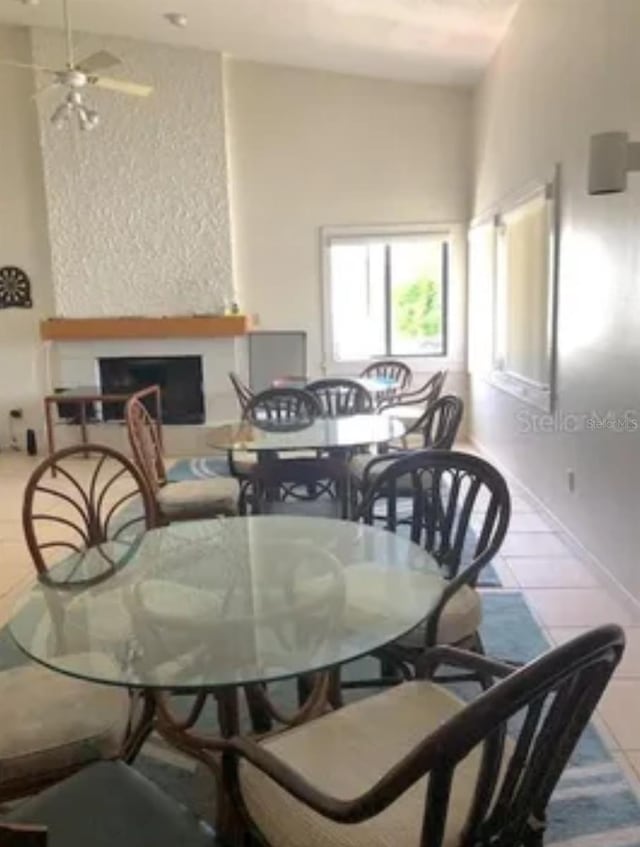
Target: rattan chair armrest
[[434, 657], [424, 758]]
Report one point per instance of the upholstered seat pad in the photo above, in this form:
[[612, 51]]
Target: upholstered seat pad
[[404, 484], [53, 722], [199, 498], [460, 619], [343, 754], [111, 805]]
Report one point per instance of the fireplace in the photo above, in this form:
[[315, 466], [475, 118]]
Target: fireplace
[[179, 378]]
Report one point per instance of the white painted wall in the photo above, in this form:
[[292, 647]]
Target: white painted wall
[[310, 149], [138, 209], [23, 236], [569, 68]]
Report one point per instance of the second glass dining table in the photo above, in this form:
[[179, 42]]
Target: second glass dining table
[[343, 433]]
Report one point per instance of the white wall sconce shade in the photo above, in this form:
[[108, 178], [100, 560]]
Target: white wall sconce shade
[[611, 157]]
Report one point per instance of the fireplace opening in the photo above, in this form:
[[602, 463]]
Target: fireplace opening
[[179, 378]]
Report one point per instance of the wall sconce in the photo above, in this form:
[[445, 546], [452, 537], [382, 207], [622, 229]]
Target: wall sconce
[[611, 157]]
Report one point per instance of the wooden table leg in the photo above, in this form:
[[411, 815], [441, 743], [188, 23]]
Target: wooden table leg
[[48, 418], [84, 435], [228, 822]]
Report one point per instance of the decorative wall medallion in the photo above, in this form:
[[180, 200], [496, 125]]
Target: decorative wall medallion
[[15, 289]]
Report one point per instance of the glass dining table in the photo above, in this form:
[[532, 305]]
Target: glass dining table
[[213, 608], [326, 434]]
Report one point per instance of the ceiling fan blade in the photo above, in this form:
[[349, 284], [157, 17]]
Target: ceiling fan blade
[[11, 64], [121, 85], [98, 61]]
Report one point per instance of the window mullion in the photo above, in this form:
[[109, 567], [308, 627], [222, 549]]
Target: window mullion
[[387, 299]]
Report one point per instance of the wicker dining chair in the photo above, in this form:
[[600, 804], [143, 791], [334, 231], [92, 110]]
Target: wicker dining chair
[[438, 429], [419, 767], [281, 408], [447, 489], [242, 390], [341, 397], [410, 407], [80, 527], [392, 370], [185, 500], [98, 498]]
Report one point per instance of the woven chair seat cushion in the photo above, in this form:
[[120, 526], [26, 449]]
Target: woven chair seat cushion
[[343, 754], [111, 805], [55, 722], [199, 498], [404, 484], [460, 619]]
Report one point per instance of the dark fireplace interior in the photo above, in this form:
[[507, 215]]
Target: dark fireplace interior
[[179, 378]]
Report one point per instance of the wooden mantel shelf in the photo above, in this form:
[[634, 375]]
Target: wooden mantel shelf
[[92, 329]]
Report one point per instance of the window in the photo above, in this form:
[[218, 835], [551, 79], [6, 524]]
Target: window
[[386, 295], [512, 301]]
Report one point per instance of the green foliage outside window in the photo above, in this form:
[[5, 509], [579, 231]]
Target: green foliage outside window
[[417, 308]]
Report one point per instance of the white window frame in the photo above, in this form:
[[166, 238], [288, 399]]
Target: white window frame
[[447, 232], [539, 394]]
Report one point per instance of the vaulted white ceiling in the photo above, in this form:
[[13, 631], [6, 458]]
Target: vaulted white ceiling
[[443, 41]]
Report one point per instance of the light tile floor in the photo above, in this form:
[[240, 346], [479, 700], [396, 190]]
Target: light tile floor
[[564, 589]]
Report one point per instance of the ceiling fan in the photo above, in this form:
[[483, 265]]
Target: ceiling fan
[[77, 77]]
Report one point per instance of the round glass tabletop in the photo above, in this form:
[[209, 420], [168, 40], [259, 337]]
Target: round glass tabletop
[[321, 434], [206, 604]]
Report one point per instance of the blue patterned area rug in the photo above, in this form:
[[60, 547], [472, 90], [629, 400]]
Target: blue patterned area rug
[[593, 805], [212, 466]]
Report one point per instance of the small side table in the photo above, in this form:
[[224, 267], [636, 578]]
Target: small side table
[[82, 397]]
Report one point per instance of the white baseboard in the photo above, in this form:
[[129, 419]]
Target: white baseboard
[[578, 548]]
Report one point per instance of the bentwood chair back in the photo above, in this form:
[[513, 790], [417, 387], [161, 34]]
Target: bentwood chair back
[[433, 495], [439, 424], [392, 370], [282, 408], [341, 397], [98, 497], [183, 500], [144, 439], [425, 395]]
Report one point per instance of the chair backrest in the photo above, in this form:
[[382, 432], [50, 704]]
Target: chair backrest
[[446, 489], [144, 439], [390, 369], [243, 392], [542, 709], [303, 479], [341, 397], [440, 423], [282, 407], [425, 395], [97, 498], [525, 729]]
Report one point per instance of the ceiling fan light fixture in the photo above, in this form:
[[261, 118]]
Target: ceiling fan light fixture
[[60, 117], [88, 119]]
